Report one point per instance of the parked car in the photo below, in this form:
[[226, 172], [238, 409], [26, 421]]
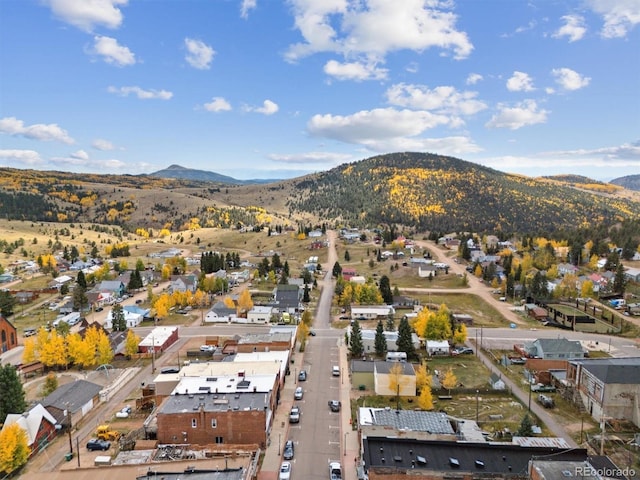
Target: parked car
[[462, 351], [285, 471], [335, 405], [294, 415], [312, 333], [335, 471], [289, 450], [29, 332], [547, 402], [99, 309], [302, 376], [97, 444], [207, 348], [539, 387], [335, 371], [298, 394]]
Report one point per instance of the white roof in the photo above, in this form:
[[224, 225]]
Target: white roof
[[437, 344], [225, 384], [158, 336], [30, 421]]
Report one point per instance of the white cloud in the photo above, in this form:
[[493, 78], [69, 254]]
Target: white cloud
[[199, 54], [473, 78], [443, 99], [268, 108], [311, 157], [376, 28], [357, 71], [140, 93], [80, 155], [619, 16], [39, 131], [569, 79], [246, 6], [453, 146], [26, 157], [520, 82], [87, 14], [573, 28], [523, 114], [82, 159], [104, 145], [111, 52], [602, 161], [369, 126], [217, 104]]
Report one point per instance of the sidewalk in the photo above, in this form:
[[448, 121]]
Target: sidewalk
[[350, 444], [280, 427]]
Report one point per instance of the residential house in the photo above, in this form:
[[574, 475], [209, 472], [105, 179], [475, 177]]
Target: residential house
[[369, 340], [259, 314], [132, 318], [567, 269], [554, 349], [608, 387], [8, 334], [72, 401], [371, 312], [38, 424], [114, 287], [220, 313], [437, 347], [394, 378], [184, 283], [286, 298], [632, 274], [496, 382]]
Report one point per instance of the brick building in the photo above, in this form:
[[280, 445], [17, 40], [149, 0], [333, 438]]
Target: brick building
[[8, 335]]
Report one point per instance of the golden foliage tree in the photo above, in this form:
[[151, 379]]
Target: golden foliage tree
[[14, 448], [244, 302], [425, 401], [396, 378], [105, 353], [29, 353], [423, 379], [228, 302], [54, 351], [131, 344], [450, 380], [460, 335], [162, 305]]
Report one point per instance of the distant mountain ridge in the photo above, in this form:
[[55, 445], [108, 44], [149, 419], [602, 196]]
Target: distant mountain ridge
[[180, 172], [631, 182]]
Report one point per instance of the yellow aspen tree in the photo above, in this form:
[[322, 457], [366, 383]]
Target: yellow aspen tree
[[460, 335], [244, 301], [131, 344], [228, 302], [105, 353], [29, 354], [450, 380], [423, 379], [425, 400], [14, 448]]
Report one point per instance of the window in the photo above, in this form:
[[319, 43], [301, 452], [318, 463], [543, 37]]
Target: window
[[219, 440], [214, 423], [194, 422]]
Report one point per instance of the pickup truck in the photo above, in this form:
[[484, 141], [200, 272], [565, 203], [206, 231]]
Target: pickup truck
[[334, 405]]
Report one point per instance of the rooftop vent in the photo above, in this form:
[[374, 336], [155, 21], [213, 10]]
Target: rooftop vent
[[421, 460], [397, 458], [454, 462], [479, 464]]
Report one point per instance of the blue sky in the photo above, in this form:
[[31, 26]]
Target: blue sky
[[280, 88]]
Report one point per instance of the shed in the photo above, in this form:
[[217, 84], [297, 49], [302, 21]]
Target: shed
[[496, 382]]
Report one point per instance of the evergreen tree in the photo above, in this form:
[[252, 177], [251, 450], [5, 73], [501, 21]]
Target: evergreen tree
[[337, 270], [390, 324], [7, 303], [380, 340], [404, 341], [385, 290], [347, 257], [619, 282], [117, 318], [135, 281], [525, 429], [355, 345], [81, 280], [12, 396], [305, 294], [80, 299]]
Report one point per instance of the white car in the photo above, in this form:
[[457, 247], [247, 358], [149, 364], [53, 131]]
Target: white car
[[207, 348], [285, 471], [298, 394]]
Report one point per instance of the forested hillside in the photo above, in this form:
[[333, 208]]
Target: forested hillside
[[431, 192]]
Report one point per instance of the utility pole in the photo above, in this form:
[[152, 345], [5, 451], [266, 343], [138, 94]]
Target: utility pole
[[153, 354], [69, 429]]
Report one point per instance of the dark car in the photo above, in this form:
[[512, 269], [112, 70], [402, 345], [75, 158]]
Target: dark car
[[97, 444], [334, 405], [99, 309], [463, 351], [302, 376], [289, 450]]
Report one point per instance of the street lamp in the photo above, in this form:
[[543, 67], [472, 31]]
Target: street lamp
[[279, 435], [477, 404]]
